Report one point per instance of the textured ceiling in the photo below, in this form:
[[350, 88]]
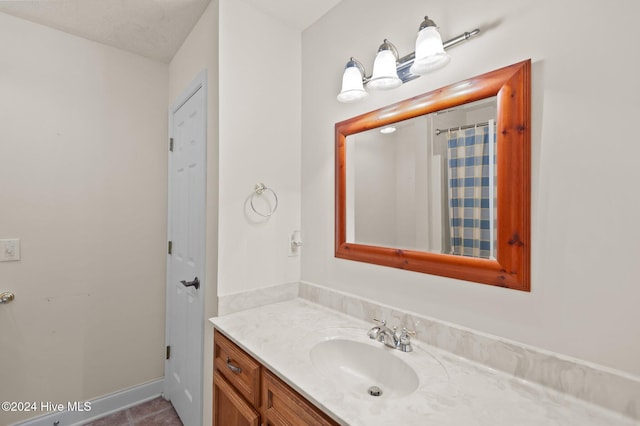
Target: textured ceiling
[[151, 28]]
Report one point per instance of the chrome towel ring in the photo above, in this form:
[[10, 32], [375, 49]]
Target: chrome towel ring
[[259, 191]]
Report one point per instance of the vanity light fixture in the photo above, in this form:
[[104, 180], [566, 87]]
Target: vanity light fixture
[[385, 74], [352, 82], [429, 53], [390, 71]]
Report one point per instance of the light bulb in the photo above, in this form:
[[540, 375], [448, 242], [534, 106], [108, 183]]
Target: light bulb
[[430, 54], [385, 73], [352, 87]]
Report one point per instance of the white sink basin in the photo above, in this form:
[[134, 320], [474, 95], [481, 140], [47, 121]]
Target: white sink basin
[[357, 366]]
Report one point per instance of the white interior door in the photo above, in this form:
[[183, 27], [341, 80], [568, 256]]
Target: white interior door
[[185, 274]]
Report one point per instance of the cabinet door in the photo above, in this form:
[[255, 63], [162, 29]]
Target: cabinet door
[[283, 406], [229, 408]]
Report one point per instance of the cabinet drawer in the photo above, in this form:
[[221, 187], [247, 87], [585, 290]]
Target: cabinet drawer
[[242, 371], [283, 406]]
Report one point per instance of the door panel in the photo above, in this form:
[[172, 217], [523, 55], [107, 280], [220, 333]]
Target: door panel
[[185, 305]]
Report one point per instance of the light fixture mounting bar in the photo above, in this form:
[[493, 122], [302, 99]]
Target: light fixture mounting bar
[[406, 61], [462, 37]]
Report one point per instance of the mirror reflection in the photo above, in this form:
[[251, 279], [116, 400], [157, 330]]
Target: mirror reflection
[[427, 183], [501, 259]]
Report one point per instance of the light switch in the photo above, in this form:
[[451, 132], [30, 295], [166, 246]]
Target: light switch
[[9, 250]]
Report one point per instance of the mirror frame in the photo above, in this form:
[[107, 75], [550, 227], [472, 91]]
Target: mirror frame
[[511, 268]]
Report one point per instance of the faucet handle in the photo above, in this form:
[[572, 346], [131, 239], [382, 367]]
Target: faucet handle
[[407, 333], [383, 322], [404, 341], [375, 330]]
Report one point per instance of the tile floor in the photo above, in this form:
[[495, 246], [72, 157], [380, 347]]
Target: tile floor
[[157, 412]]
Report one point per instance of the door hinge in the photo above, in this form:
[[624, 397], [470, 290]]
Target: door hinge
[[169, 247], [168, 352], [171, 144]]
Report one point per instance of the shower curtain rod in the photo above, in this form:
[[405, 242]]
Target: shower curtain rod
[[468, 126]]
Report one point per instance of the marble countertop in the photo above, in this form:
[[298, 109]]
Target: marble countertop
[[451, 390]]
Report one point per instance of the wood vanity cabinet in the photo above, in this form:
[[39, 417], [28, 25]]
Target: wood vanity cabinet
[[247, 393], [229, 407], [282, 406]]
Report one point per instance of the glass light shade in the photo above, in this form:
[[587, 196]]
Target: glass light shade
[[352, 87], [385, 74], [430, 54]]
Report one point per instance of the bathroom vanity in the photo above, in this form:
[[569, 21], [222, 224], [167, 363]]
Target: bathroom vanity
[[247, 393], [297, 362]]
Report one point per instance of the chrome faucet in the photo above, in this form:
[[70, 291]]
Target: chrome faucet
[[384, 334], [390, 338]]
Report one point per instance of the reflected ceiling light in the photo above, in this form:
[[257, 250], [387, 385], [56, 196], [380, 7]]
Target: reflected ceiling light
[[387, 130], [390, 72]]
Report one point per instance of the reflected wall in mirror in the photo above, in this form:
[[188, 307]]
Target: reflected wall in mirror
[[440, 183], [426, 183]]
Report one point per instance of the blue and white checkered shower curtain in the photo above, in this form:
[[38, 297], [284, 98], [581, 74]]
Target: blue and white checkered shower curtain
[[471, 169]]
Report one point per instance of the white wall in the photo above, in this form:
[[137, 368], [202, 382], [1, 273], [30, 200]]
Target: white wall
[[200, 52], [83, 184], [373, 168], [253, 135], [259, 142], [585, 292], [384, 167]]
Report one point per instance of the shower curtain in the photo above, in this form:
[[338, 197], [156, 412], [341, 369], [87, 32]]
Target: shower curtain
[[471, 170]]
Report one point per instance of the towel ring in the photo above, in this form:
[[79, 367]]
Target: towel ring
[[259, 190]]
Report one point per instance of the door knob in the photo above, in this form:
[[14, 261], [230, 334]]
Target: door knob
[[7, 297], [195, 283]]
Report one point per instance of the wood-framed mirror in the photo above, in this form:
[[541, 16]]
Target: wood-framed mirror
[[448, 237]]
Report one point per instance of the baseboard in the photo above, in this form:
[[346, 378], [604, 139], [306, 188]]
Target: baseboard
[[100, 407]]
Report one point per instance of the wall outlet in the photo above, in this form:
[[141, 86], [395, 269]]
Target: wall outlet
[[9, 250]]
